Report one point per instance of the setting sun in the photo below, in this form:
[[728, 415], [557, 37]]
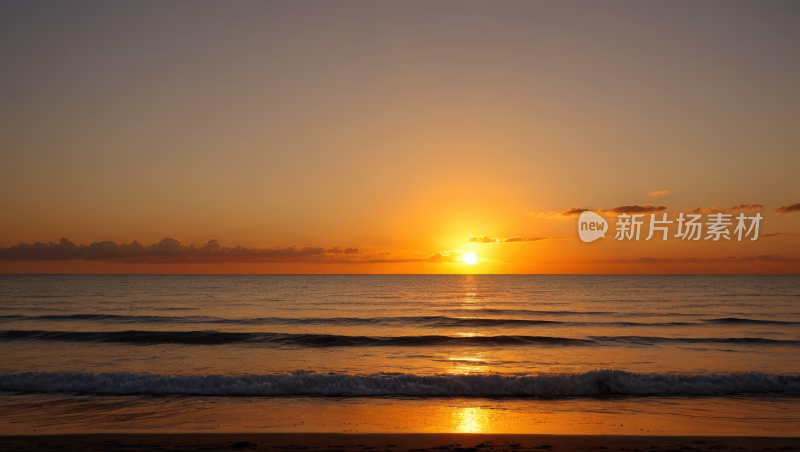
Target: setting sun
[[470, 258]]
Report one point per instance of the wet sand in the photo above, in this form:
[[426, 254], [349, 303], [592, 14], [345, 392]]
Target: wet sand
[[410, 442]]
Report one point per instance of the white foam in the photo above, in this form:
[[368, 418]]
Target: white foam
[[598, 382]]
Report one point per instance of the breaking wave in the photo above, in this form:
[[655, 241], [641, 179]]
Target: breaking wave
[[594, 383]]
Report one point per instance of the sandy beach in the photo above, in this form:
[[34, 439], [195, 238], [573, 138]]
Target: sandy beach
[[391, 442]]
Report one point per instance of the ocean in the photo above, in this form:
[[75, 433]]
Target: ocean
[[416, 353]]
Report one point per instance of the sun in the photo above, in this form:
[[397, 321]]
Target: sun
[[469, 258]]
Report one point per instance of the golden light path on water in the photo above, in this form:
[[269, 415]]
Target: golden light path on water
[[466, 365], [470, 420]]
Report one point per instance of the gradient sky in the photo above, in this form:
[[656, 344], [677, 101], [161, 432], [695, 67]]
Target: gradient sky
[[396, 128]]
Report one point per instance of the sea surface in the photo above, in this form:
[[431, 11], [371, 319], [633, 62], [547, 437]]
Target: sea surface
[[476, 353]]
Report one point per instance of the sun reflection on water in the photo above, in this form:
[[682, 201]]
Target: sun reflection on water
[[469, 364], [470, 420], [470, 292]]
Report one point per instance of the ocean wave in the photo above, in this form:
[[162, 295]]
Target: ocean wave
[[645, 340], [442, 321], [429, 321], [594, 383], [739, 321], [302, 340], [529, 311], [332, 340]]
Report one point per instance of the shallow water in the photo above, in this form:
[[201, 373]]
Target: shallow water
[[669, 345]]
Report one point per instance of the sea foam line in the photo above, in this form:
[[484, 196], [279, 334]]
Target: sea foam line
[[594, 383]]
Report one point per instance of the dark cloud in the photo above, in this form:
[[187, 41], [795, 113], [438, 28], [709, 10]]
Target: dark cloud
[[732, 209], [774, 234], [788, 209], [167, 250], [575, 211], [172, 251], [523, 239], [633, 208], [746, 208], [337, 250], [476, 239], [572, 212], [699, 260]]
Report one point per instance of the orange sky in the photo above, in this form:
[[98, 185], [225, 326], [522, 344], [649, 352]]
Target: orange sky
[[399, 130]]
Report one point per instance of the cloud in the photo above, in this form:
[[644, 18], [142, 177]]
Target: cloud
[[524, 239], [172, 251], [774, 234], [733, 209], [476, 239], [337, 250], [770, 258], [573, 212], [746, 208], [167, 250], [633, 208], [437, 257], [788, 209], [659, 193], [649, 208]]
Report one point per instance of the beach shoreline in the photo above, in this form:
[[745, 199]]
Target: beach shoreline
[[399, 442]]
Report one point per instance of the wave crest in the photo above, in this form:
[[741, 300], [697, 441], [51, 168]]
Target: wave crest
[[147, 337], [594, 383]]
